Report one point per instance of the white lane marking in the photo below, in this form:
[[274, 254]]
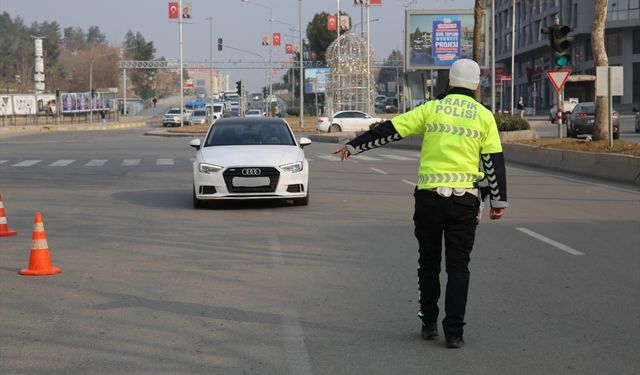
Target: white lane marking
[[397, 157], [409, 182], [164, 162], [275, 250], [130, 162], [328, 157], [61, 163], [576, 180], [378, 170], [192, 160], [366, 158], [96, 163], [3, 161], [26, 163], [551, 242], [297, 354]]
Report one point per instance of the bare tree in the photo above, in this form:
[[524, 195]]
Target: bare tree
[[600, 127], [478, 12]]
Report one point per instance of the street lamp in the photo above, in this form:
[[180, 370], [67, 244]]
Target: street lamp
[[270, 44], [301, 71], [210, 59]]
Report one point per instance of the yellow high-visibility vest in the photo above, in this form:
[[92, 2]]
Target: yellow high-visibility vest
[[456, 130]]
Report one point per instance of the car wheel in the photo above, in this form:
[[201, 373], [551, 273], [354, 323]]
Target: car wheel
[[334, 128], [164, 125], [197, 203]]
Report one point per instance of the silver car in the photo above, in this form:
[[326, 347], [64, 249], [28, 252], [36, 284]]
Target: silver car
[[199, 117]]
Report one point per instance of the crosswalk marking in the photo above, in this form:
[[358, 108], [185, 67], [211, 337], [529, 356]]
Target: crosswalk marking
[[96, 163], [61, 163], [164, 162], [328, 157], [26, 163], [396, 157], [3, 161], [365, 158], [130, 162]]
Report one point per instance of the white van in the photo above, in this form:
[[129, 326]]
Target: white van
[[217, 110]]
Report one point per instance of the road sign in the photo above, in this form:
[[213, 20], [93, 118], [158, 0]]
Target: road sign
[[602, 80], [558, 77]]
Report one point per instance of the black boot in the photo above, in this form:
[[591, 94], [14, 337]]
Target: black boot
[[454, 342], [429, 331]]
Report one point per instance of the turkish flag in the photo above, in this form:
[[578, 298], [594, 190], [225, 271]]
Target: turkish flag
[[288, 48], [375, 2], [173, 10], [332, 23], [276, 39]]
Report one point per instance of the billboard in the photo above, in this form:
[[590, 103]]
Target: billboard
[[315, 80], [435, 39]]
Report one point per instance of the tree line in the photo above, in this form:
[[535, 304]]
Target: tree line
[[68, 55]]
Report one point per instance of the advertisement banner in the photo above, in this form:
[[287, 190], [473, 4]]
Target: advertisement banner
[[83, 101], [6, 105], [24, 105], [435, 39], [315, 80], [446, 41], [68, 102]]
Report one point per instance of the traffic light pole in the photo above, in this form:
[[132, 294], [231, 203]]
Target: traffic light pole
[[560, 111]]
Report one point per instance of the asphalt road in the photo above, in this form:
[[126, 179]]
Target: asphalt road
[[151, 286]]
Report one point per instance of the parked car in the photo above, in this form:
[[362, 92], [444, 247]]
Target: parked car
[[250, 158], [637, 124], [199, 117], [553, 114], [346, 121], [582, 118], [172, 117]]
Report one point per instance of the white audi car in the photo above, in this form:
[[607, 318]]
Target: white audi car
[[250, 158]]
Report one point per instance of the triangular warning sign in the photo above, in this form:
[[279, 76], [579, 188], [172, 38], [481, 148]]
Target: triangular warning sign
[[558, 77]]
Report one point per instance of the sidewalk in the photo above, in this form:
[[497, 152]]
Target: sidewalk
[[124, 123]]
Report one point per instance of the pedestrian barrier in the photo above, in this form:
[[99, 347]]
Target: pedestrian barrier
[[4, 226], [39, 261]]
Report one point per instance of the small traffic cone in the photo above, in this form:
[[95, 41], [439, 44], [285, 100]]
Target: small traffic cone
[[4, 227], [39, 262]]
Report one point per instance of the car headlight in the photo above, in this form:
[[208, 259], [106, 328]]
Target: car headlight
[[292, 167], [209, 168]]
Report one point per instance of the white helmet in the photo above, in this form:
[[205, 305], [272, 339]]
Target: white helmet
[[464, 73]]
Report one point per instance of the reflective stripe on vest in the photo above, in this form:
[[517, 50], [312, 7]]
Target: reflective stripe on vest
[[454, 130], [436, 178]]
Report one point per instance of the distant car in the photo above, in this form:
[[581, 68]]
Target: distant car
[[172, 117], [582, 118], [250, 158], [253, 113], [199, 117], [217, 110], [346, 121], [637, 124], [234, 112]]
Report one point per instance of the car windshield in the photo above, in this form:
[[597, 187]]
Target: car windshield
[[200, 113], [589, 109], [253, 133], [217, 108], [173, 112]]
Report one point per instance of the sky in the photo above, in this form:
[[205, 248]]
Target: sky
[[238, 23]]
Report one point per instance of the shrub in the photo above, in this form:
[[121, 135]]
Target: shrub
[[391, 109], [508, 122], [293, 111]]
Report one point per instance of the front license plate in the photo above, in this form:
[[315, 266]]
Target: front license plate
[[250, 181]]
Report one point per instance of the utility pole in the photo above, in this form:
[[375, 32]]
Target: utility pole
[[210, 59], [181, 68]]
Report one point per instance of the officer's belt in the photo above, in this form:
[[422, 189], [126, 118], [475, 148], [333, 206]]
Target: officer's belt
[[446, 192]]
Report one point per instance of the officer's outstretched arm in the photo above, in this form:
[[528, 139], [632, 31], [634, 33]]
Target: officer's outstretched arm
[[496, 174], [377, 136]]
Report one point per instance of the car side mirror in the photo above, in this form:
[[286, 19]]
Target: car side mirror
[[304, 141], [195, 143]]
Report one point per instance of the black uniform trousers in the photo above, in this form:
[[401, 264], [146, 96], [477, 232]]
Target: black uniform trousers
[[456, 217]]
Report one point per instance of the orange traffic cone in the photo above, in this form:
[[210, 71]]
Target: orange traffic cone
[[39, 262], [4, 227]]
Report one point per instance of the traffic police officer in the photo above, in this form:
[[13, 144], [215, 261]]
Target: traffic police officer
[[460, 148]]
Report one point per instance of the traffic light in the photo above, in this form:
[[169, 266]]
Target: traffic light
[[239, 88], [219, 44], [560, 43]]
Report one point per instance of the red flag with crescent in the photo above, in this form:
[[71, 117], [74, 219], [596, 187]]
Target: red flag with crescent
[[332, 23], [288, 48], [173, 10], [276, 39]]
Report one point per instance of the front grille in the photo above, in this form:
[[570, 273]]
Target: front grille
[[272, 173]]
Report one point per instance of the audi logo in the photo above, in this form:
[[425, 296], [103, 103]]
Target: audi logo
[[251, 172]]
